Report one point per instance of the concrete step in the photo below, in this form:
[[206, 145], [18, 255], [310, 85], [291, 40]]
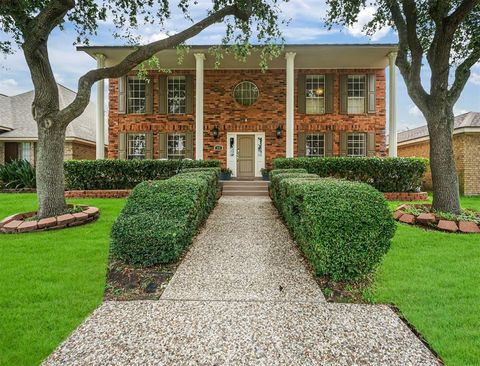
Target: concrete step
[[245, 188], [245, 193], [244, 184]]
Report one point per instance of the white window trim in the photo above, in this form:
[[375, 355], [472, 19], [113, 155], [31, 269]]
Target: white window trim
[[316, 134], [364, 135], [183, 155], [184, 98], [363, 99], [135, 78], [315, 97], [128, 154]]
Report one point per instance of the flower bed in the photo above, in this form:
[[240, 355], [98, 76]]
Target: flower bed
[[22, 222], [422, 215]]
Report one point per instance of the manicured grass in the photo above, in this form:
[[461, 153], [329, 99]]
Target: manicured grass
[[434, 279], [49, 281]]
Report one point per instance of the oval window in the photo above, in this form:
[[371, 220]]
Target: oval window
[[246, 93]]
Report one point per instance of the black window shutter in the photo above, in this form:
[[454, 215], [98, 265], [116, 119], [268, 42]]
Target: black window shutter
[[162, 94], [122, 145], [301, 144], [122, 95], [343, 94], [189, 94], [329, 93], [301, 93], [372, 95]]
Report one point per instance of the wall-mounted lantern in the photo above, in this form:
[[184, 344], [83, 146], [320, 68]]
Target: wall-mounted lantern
[[278, 132], [215, 132]]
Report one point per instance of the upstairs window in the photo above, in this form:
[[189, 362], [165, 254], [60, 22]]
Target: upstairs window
[[176, 94], [357, 91], [136, 100], [246, 93], [357, 144], [176, 146], [315, 144], [315, 94], [136, 143]]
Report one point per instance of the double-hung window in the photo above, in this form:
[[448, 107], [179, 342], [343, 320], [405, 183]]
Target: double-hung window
[[356, 144], [176, 146], [315, 94], [176, 97], [315, 144], [136, 144], [357, 92], [136, 97]]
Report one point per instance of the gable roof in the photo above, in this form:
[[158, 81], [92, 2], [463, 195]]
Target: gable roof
[[16, 120], [466, 120]]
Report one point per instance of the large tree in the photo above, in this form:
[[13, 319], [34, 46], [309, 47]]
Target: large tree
[[28, 24], [446, 35]]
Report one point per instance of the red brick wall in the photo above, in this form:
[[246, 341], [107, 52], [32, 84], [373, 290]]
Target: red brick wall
[[220, 109]]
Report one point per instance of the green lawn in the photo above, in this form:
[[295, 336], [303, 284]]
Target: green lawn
[[434, 279], [49, 281]]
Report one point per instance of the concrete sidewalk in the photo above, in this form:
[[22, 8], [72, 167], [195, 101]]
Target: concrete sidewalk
[[243, 295]]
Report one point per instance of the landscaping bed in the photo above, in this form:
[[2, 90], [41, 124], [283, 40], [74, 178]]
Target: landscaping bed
[[422, 215], [27, 222], [126, 282]]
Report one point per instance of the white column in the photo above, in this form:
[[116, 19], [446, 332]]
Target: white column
[[290, 110], [392, 99], [100, 121], [200, 58]]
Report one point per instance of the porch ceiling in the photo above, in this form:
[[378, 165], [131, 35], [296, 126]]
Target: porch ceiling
[[326, 56]]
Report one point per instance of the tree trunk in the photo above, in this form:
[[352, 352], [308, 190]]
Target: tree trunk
[[49, 169], [446, 196]]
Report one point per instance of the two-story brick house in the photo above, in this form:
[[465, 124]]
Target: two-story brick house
[[316, 100]]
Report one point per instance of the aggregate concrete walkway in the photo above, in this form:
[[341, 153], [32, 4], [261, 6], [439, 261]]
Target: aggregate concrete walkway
[[242, 296]]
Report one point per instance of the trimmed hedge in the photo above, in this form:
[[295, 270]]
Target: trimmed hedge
[[344, 228], [273, 173], [124, 174], [385, 174], [281, 174], [160, 218]]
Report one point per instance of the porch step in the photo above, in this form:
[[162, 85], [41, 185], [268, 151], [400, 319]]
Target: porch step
[[245, 188], [245, 193]]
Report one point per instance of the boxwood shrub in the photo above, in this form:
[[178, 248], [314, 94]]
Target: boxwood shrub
[[281, 174], [385, 174], [160, 218], [124, 174], [344, 228]]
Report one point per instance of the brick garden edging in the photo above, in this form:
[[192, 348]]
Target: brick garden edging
[[17, 224], [99, 193], [430, 220], [406, 196]]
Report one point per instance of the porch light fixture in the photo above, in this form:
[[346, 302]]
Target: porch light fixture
[[215, 132], [278, 132]]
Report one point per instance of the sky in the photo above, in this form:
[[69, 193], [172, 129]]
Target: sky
[[305, 25]]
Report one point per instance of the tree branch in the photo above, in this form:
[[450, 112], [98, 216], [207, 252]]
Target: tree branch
[[143, 53], [462, 74], [410, 69], [49, 18], [462, 11]]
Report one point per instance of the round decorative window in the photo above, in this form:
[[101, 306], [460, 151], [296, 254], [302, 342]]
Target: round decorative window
[[246, 93]]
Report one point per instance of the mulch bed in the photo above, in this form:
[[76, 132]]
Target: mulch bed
[[126, 282], [422, 215]]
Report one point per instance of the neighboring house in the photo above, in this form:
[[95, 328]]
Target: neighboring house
[[314, 100], [466, 148], [18, 129]]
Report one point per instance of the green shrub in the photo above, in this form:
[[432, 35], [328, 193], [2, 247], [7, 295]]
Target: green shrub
[[344, 228], [124, 174], [17, 174], [160, 218], [275, 171], [278, 175], [385, 174]]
